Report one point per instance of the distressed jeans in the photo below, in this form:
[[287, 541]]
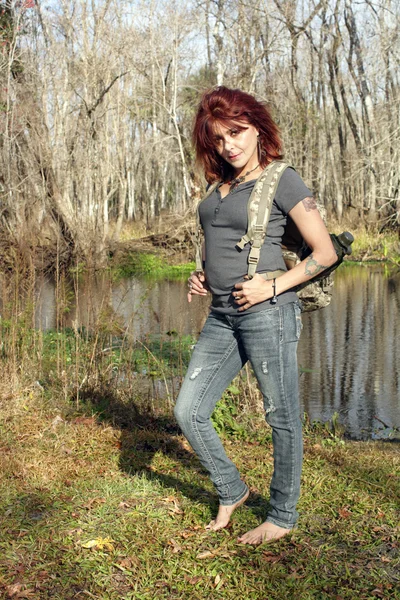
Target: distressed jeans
[[268, 339]]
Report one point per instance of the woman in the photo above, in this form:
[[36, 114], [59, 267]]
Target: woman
[[250, 320]]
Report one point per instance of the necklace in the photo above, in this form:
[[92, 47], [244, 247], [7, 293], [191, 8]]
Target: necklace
[[238, 180]]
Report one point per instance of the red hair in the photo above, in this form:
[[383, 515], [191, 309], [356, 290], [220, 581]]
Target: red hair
[[227, 107]]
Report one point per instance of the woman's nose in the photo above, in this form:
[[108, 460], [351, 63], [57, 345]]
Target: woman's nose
[[228, 144]]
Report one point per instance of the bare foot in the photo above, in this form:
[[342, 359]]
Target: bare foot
[[266, 532], [224, 514]]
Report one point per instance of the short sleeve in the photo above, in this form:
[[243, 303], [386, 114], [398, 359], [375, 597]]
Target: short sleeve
[[291, 190]]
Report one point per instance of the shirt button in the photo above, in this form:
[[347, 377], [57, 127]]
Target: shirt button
[[217, 210]]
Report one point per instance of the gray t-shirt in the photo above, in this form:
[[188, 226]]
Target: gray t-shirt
[[224, 221]]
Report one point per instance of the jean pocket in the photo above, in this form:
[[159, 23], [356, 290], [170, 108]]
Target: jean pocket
[[291, 322]]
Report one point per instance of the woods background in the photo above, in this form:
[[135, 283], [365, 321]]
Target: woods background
[[97, 100]]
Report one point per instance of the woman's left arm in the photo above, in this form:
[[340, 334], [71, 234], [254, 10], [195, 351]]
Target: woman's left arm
[[311, 226]]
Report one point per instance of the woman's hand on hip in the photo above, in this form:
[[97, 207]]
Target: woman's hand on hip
[[253, 291], [197, 285]]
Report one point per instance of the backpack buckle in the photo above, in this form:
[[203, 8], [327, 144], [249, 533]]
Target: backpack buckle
[[258, 235], [254, 256]]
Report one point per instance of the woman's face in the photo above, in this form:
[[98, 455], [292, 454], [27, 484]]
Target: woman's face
[[237, 145]]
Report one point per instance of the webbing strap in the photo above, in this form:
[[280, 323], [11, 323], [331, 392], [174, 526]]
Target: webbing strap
[[197, 234], [260, 201], [272, 274]]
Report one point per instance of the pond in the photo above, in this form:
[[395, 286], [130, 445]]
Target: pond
[[349, 353]]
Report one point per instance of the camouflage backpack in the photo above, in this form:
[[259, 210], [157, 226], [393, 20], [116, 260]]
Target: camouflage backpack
[[313, 294]]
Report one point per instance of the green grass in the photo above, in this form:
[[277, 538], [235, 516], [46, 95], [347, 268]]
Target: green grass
[[90, 509], [372, 246], [151, 265], [101, 497]]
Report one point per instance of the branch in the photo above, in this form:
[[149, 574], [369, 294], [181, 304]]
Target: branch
[[103, 93]]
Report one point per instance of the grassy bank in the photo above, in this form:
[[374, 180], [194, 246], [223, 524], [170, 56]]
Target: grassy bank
[[165, 250], [91, 509], [369, 245], [101, 497]]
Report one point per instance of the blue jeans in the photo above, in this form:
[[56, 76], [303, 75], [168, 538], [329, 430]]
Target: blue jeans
[[268, 339]]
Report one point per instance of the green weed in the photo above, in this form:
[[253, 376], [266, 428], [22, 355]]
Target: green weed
[[94, 510], [151, 265]]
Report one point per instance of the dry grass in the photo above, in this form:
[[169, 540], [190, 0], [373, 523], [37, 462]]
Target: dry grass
[[101, 500], [101, 497]]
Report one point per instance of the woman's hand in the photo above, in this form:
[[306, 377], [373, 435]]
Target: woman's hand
[[250, 292], [197, 285]]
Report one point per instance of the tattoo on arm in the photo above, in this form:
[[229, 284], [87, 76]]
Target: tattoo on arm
[[312, 268], [309, 204]]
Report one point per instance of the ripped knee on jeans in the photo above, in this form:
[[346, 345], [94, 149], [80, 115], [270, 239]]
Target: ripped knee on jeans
[[196, 372], [269, 405], [264, 367]]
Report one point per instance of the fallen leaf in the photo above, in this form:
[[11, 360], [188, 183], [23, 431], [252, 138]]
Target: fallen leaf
[[187, 534], [193, 580], [56, 421], [378, 592], [175, 508], [344, 513], [128, 564], [125, 563], [218, 582], [20, 568], [271, 557], [206, 554], [86, 421], [76, 531], [99, 543], [26, 594], [89, 544], [170, 499], [124, 505], [15, 591], [94, 501], [175, 546]]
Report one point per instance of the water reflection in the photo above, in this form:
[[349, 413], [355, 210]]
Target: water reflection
[[349, 352], [138, 306], [352, 349]]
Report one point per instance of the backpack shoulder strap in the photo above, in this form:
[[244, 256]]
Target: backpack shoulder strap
[[198, 230], [259, 210]]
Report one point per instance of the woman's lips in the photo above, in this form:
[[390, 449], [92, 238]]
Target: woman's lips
[[234, 156]]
